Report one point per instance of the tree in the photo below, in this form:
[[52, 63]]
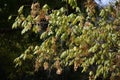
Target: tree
[[83, 38]]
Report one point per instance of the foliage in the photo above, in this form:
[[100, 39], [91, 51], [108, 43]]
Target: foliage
[[11, 46], [89, 40]]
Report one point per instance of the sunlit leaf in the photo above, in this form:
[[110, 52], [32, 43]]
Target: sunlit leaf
[[20, 9]]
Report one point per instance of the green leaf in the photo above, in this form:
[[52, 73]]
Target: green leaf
[[14, 25], [20, 10], [76, 20], [10, 17], [94, 48], [64, 54], [36, 28], [43, 35], [64, 36], [102, 13], [46, 7], [71, 63]]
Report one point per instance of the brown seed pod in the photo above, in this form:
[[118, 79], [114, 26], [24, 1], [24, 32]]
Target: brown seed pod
[[59, 71], [57, 64], [35, 6], [37, 64], [46, 65], [75, 66]]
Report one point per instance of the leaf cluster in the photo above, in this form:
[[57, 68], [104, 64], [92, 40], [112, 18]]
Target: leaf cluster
[[88, 40]]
